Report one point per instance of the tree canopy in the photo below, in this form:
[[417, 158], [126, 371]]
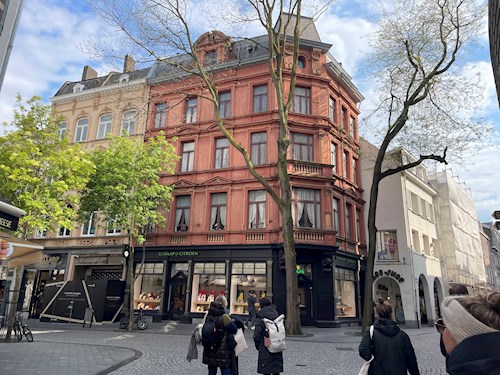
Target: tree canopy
[[40, 171]]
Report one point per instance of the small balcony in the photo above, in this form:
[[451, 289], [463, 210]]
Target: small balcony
[[314, 236], [307, 168]]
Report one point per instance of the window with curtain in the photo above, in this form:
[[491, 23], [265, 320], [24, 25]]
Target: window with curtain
[[333, 156], [104, 126], [302, 100], [258, 149], [348, 221], [82, 127], [335, 210], [257, 209], [128, 124], [187, 160], [221, 153], [160, 115], [306, 208], [260, 98], [218, 211], [352, 126], [302, 147], [191, 108], [182, 211], [225, 104], [331, 109]]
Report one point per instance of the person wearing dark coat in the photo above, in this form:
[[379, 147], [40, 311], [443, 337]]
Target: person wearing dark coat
[[268, 363], [390, 346], [251, 310], [220, 356], [471, 334]]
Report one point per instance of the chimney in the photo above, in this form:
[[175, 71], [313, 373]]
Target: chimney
[[88, 73], [128, 64]]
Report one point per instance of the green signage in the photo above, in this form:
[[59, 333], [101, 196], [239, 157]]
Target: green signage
[[341, 259], [177, 253]]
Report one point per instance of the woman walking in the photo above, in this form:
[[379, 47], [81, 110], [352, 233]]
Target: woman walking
[[390, 346], [268, 363], [218, 350]]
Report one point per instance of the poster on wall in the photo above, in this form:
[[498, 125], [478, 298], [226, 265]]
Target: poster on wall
[[387, 244]]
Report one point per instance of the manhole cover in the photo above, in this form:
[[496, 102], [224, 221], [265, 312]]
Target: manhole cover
[[345, 349]]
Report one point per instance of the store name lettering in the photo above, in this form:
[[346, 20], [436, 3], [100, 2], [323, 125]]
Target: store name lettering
[[345, 260], [177, 253], [390, 273], [5, 223]]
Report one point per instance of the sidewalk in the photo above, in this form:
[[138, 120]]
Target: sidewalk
[[66, 348]]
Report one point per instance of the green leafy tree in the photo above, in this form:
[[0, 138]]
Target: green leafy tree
[[41, 173], [126, 188]]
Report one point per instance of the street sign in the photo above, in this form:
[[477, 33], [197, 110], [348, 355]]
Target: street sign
[[496, 215]]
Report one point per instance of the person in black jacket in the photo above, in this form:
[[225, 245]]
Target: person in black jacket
[[390, 346], [251, 310], [471, 334], [220, 355], [268, 363]]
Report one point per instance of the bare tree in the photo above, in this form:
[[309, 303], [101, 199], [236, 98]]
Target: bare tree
[[427, 98], [166, 31]]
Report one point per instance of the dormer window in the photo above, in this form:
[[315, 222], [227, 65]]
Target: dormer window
[[124, 78], [211, 57], [78, 87]]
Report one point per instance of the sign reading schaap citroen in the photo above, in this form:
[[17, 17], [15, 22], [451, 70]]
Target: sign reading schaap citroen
[[8, 222]]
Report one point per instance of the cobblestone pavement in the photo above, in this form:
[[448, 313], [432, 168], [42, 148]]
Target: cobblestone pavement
[[162, 350]]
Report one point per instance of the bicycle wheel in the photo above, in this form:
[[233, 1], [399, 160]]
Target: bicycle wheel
[[28, 334], [124, 322], [17, 331], [142, 324]]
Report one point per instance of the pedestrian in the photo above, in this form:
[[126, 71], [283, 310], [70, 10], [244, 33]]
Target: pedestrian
[[390, 346], [268, 363], [221, 353], [455, 290], [471, 334], [250, 322], [234, 359]]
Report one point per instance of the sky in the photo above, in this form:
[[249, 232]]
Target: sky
[[48, 51]]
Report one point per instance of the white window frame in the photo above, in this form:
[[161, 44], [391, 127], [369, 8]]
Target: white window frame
[[129, 121], [63, 232], [82, 127], [160, 115], [89, 226], [104, 127], [63, 128]]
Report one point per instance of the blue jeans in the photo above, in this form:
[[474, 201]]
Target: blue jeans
[[212, 370]]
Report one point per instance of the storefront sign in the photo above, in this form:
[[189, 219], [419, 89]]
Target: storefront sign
[[345, 260], [49, 259], [390, 273], [177, 253], [8, 221]]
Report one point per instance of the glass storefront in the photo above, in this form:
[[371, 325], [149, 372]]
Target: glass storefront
[[246, 278], [209, 281], [148, 286], [345, 293]]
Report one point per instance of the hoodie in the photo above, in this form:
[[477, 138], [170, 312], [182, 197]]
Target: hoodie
[[391, 348]]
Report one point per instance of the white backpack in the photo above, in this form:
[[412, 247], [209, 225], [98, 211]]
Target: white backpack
[[276, 330]]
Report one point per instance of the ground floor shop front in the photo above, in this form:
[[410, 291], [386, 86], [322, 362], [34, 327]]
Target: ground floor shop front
[[180, 283]]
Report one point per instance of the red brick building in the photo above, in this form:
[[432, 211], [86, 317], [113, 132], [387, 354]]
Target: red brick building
[[223, 232]]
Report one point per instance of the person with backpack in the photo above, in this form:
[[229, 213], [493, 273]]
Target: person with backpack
[[391, 348], [217, 339], [268, 363]]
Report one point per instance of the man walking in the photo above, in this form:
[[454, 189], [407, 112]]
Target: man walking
[[250, 323]]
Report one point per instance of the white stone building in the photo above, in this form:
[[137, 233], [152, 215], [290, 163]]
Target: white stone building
[[407, 265]]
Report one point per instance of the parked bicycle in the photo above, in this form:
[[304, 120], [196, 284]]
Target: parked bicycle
[[140, 321], [21, 329]]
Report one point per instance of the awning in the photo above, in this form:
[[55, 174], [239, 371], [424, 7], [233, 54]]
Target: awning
[[18, 252]]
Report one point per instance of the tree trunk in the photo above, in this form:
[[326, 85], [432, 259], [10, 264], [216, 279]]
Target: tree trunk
[[13, 300], [130, 285]]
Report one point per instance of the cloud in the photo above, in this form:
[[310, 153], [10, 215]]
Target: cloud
[[46, 54]]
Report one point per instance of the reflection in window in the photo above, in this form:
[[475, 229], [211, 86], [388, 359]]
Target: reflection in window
[[187, 161], [302, 146], [345, 296], [81, 130], [89, 226], [258, 151], [302, 100], [160, 115], [221, 153], [218, 211], [191, 107], [128, 123], [104, 126], [260, 98], [182, 210], [225, 104]]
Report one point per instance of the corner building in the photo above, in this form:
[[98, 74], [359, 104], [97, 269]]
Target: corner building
[[223, 232]]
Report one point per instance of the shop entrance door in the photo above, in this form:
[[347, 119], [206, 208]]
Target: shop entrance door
[[177, 296], [305, 300]]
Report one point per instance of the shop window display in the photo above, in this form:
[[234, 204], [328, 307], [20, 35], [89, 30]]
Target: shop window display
[[246, 278], [345, 293], [148, 286], [209, 281]]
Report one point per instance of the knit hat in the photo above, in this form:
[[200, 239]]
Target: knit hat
[[459, 322]]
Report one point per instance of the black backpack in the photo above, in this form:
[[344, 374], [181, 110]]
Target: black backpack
[[211, 335]]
